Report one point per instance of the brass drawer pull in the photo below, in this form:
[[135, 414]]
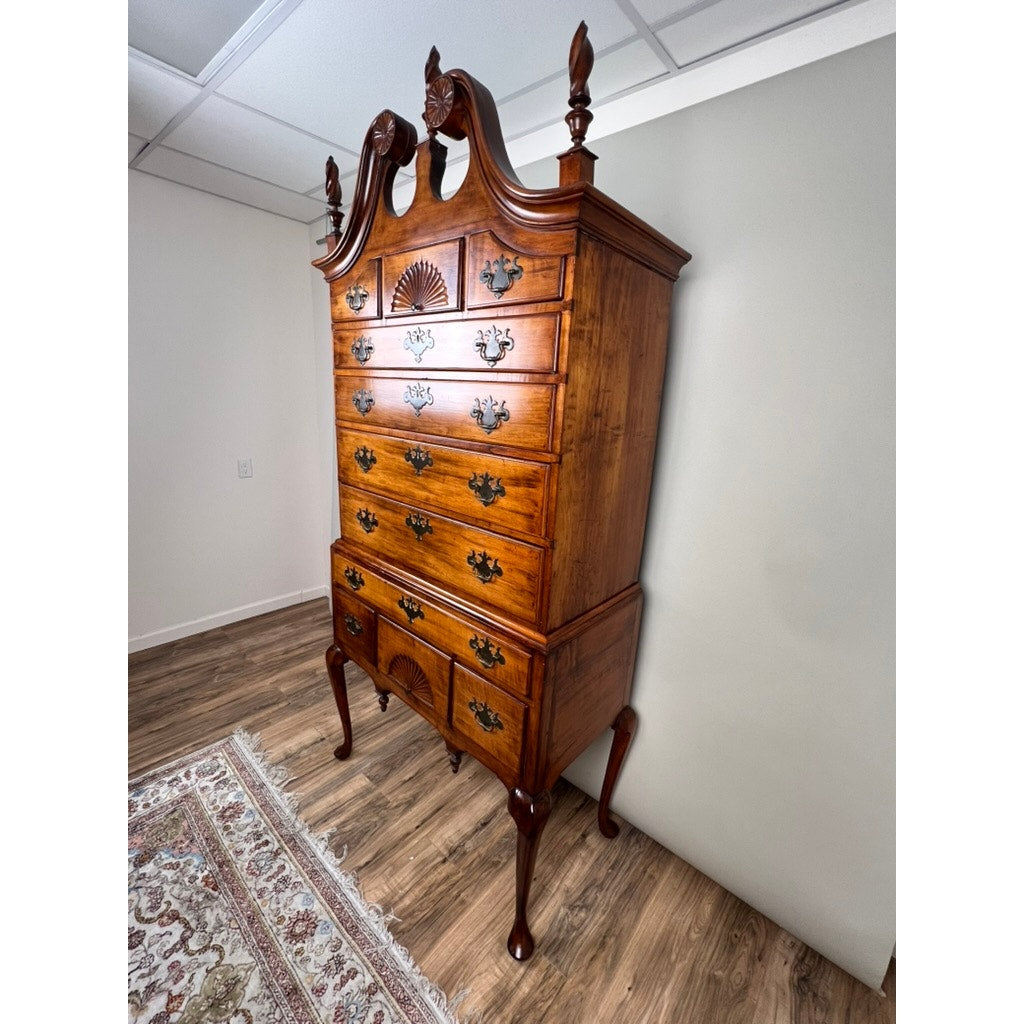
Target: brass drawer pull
[[492, 344], [355, 297], [354, 577], [418, 397], [487, 654], [419, 459], [488, 490], [364, 458], [362, 349], [352, 625], [500, 277], [489, 415], [367, 520], [485, 569], [417, 341], [362, 400], [420, 525], [487, 719], [411, 608]]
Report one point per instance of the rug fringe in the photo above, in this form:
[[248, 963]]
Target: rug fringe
[[276, 778]]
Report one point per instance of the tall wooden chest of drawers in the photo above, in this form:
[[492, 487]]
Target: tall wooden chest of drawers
[[498, 364]]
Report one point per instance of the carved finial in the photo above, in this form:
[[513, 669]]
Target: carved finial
[[576, 164], [333, 196], [581, 63], [433, 68]]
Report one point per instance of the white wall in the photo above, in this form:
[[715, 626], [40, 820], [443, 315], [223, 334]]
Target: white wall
[[222, 365], [765, 680]]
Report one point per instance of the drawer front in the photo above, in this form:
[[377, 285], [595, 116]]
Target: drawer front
[[482, 566], [425, 280], [497, 492], [355, 627], [496, 273], [419, 671], [488, 717], [499, 413], [488, 653], [522, 343], [356, 295]]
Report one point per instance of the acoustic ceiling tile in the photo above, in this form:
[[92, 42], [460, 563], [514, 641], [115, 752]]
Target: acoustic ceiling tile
[[656, 11], [135, 144], [369, 69], [154, 97], [187, 170], [225, 133], [729, 23]]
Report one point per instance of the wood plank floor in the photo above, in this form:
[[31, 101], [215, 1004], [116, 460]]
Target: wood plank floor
[[626, 931]]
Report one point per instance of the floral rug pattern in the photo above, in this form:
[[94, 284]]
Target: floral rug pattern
[[238, 915]]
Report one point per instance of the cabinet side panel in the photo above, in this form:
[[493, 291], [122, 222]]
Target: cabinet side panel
[[587, 681], [616, 363]]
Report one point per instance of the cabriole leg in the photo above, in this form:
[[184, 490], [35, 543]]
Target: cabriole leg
[[336, 672], [624, 726], [530, 814]]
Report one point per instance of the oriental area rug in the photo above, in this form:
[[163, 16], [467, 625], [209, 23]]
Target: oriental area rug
[[238, 914]]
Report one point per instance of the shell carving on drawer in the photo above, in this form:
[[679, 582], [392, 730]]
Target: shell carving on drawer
[[411, 677], [420, 287]]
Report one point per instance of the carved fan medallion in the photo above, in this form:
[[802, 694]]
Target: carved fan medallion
[[411, 678], [420, 286]]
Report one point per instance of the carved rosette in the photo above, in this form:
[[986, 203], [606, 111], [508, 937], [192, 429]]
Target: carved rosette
[[392, 137], [383, 132], [440, 101]]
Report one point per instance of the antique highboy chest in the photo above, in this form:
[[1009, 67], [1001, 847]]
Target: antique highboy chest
[[498, 362]]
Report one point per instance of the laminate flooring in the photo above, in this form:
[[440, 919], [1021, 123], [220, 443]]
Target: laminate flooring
[[626, 931]]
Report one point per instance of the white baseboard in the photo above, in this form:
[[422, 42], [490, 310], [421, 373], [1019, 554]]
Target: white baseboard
[[246, 611]]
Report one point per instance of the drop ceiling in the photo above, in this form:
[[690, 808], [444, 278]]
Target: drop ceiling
[[246, 100]]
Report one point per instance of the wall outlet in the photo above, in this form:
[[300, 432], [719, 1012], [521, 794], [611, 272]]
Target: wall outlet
[[244, 468]]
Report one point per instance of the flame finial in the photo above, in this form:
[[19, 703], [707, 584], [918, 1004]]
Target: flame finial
[[333, 189], [581, 63]]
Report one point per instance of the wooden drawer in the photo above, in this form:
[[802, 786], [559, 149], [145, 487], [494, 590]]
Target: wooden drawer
[[498, 493], [355, 627], [487, 652], [356, 296], [488, 717], [484, 567], [424, 280], [500, 343], [499, 413], [497, 273], [420, 672]]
